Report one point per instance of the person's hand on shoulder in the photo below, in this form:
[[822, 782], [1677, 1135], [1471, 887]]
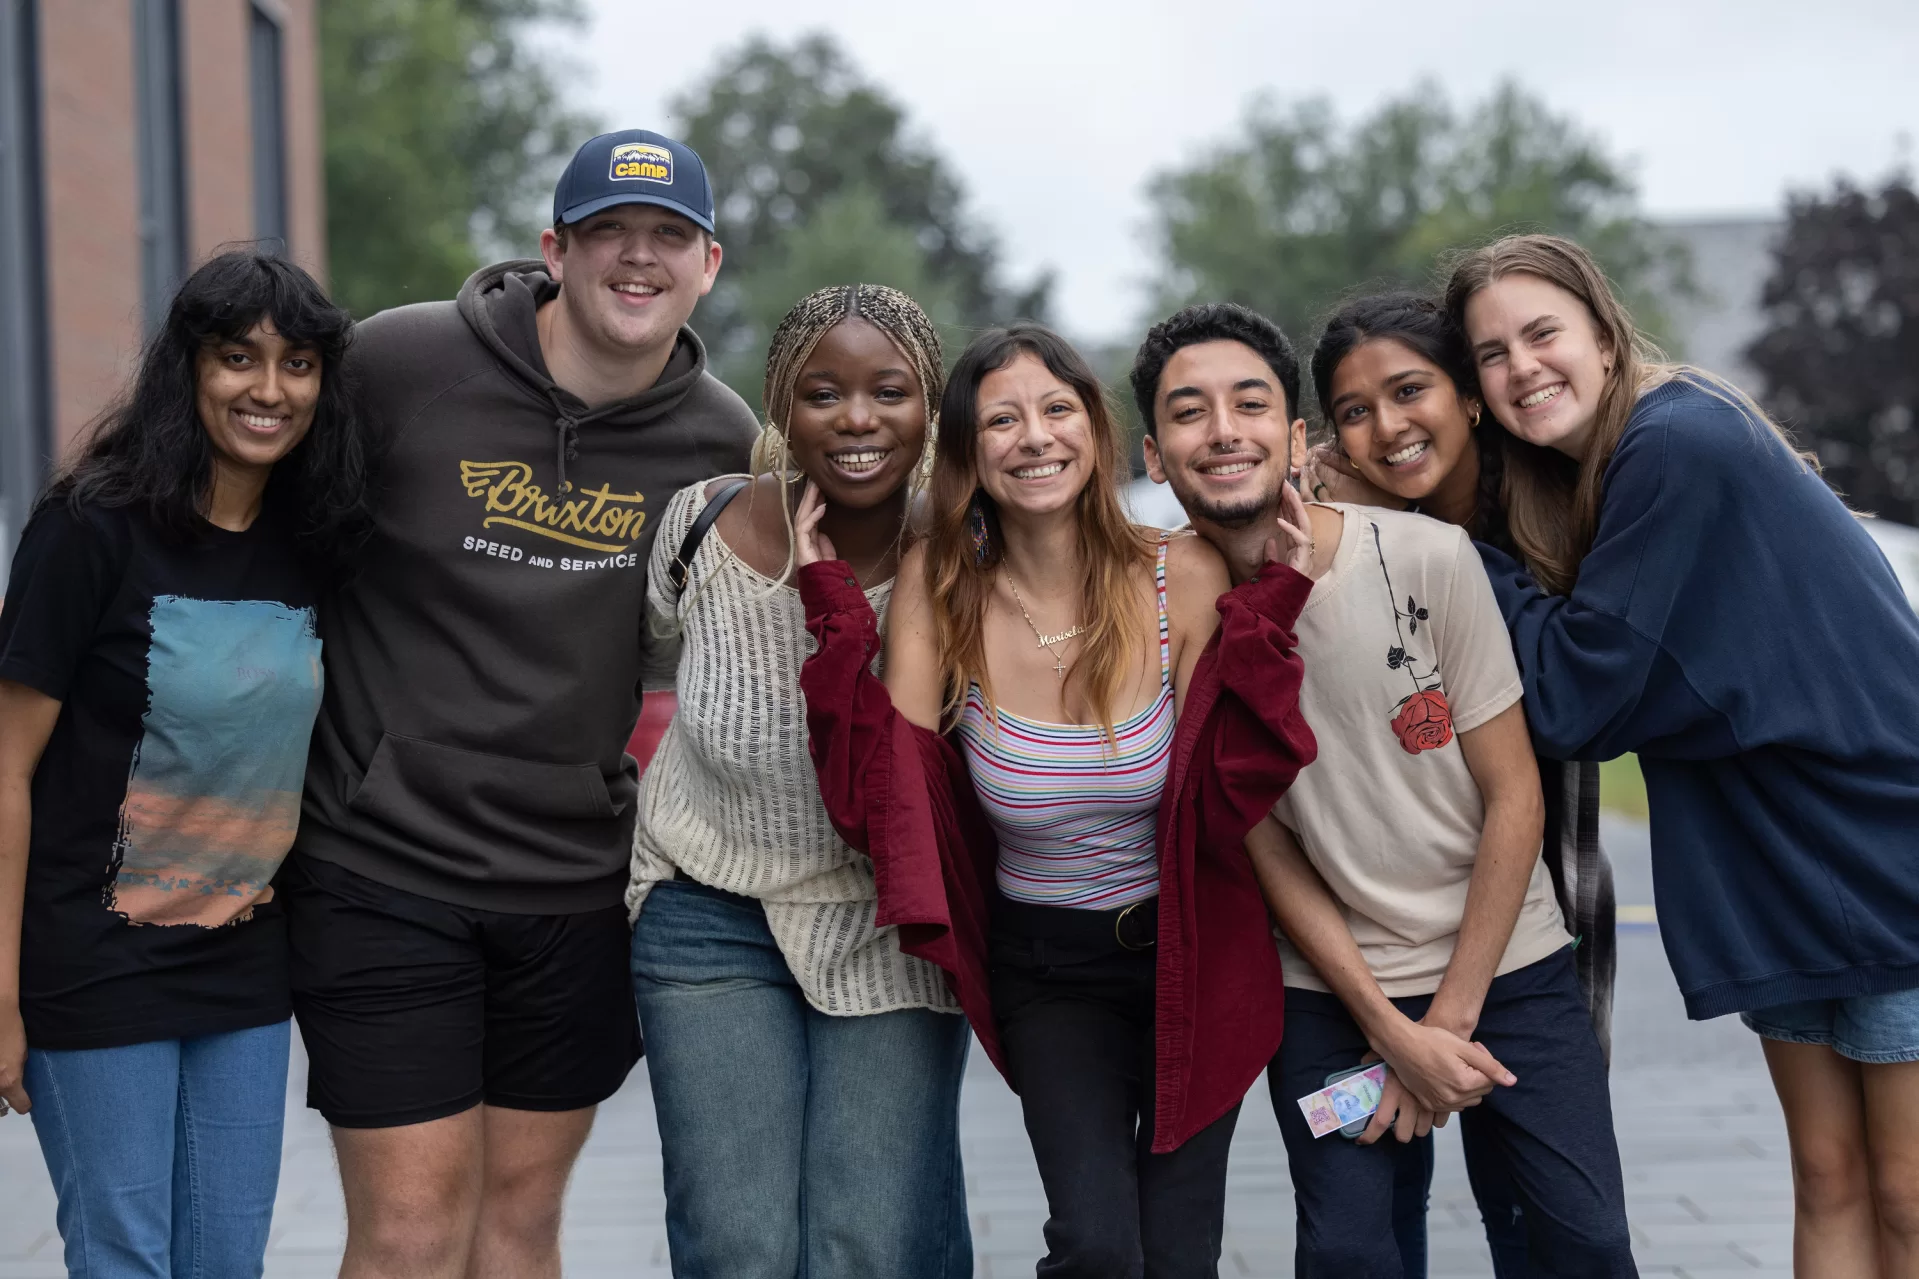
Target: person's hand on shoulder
[[1331, 477]]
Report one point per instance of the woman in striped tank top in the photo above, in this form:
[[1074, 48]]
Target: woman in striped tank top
[[1056, 638]]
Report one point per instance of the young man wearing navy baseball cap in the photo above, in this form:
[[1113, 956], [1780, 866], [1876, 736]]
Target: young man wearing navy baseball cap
[[455, 899]]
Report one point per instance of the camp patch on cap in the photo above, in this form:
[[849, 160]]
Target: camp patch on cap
[[641, 162]]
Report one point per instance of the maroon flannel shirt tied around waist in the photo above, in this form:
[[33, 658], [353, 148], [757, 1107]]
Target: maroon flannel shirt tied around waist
[[901, 794]]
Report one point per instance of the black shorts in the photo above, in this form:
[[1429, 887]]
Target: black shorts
[[413, 1009]]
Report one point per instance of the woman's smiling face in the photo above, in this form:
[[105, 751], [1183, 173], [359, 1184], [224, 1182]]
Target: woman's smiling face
[[257, 396], [1034, 452], [1400, 418], [857, 427], [1542, 364]]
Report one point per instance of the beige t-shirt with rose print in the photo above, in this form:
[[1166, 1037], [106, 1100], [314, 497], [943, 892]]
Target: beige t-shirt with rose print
[[1404, 649]]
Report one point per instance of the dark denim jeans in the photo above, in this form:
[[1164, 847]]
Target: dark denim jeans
[[1079, 1043], [1493, 1189], [165, 1156], [795, 1144], [1547, 1140]]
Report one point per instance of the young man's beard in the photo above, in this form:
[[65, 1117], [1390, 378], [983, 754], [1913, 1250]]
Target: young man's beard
[[1236, 514]]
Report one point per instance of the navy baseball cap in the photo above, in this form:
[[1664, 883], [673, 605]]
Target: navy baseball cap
[[634, 166]]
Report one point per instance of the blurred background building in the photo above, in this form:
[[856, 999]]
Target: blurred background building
[[136, 136]]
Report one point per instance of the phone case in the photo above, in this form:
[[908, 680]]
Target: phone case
[[1358, 1126]]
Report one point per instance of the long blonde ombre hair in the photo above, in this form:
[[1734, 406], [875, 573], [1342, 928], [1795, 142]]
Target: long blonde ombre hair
[[1552, 502], [960, 572]]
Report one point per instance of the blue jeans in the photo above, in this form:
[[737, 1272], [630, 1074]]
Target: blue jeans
[[1873, 1029], [165, 1155], [796, 1145]]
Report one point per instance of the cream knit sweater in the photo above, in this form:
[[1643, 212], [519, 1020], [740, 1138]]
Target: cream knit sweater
[[731, 799]]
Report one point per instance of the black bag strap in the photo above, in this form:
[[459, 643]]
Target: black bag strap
[[676, 572]]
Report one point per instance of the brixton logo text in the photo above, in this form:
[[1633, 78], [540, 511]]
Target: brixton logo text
[[598, 520], [641, 162]]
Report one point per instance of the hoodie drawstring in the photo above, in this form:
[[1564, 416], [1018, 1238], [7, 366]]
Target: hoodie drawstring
[[567, 449]]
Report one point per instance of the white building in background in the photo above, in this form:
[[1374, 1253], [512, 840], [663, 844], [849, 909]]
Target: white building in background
[[1731, 260]]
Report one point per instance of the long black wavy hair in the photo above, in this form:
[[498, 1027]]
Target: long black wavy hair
[[151, 450], [1423, 324]]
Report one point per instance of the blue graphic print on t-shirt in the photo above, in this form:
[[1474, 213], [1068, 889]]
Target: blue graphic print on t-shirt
[[212, 801]]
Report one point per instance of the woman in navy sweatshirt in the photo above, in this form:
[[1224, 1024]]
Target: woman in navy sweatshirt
[[1695, 593]]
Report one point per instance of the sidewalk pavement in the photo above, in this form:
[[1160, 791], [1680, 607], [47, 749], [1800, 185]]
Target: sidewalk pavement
[[1707, 1181]]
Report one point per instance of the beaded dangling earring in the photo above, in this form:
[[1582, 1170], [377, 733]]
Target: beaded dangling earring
[[982, 536]]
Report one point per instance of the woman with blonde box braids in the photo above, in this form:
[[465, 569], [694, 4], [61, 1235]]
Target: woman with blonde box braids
[[805, 1071]]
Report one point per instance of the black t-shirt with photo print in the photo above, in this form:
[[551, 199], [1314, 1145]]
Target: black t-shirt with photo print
[[189, 676]]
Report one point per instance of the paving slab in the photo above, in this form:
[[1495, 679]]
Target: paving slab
[[1707, 1181]]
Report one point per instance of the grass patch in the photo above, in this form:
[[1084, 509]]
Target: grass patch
[[1622, 789]]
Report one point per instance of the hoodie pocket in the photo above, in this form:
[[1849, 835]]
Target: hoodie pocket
[[493, 817]]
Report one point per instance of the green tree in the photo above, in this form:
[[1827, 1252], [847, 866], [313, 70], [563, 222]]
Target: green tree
[[1840, 352], [1301, 211], [819, 182], [848, 237], [444, 134]]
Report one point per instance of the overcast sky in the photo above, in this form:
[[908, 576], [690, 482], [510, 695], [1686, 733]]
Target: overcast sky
[[1054, 114]]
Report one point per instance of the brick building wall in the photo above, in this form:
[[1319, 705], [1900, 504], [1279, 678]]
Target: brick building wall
[[306, 164], [90, 228], [91, 218]]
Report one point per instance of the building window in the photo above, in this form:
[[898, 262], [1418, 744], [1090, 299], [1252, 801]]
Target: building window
[[156, 110], [23, 376], [269, 132]]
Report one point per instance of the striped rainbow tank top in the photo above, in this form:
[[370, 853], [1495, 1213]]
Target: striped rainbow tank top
[[1076, 821]]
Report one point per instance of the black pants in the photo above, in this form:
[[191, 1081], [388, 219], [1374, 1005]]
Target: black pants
[[1548, 1139], [1077, 1026], [1492, 1185]]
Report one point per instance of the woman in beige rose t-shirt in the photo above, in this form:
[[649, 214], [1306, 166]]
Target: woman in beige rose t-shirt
[[1403, 866]]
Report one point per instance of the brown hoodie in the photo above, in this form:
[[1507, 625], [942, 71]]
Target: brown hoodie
[[483, 670]]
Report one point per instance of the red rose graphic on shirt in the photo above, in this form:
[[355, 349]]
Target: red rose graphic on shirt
[[1424, 722]]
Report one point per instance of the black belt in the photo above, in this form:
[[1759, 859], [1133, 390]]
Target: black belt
[[1133, 927]]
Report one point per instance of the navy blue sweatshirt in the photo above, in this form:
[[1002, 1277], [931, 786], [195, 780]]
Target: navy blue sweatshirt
[[1735, 626]]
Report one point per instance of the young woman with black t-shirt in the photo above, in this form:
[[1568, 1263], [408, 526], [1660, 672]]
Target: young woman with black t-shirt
[[159, 676]]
